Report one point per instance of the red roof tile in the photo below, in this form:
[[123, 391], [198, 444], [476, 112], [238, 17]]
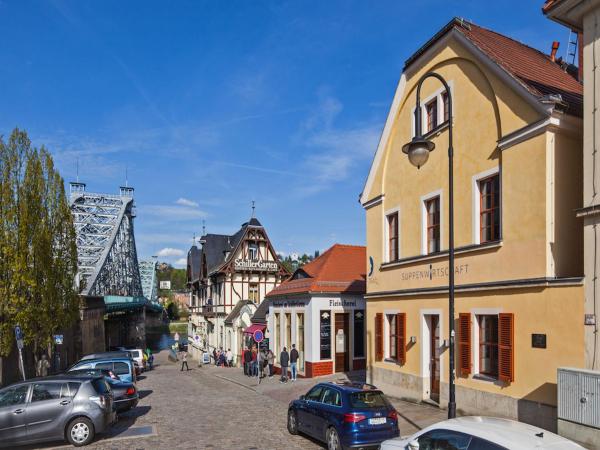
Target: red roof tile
[[532, 68], [341, 269]]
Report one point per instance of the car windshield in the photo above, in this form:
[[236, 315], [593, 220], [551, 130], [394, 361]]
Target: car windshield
[[368, 399]]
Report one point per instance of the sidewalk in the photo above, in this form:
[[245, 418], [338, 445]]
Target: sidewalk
[[411, 416]]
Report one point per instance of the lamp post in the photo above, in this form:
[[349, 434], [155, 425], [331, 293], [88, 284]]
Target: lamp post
[[418, 153]]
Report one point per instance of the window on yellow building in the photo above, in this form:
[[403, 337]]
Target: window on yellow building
[[489, 209], [393, 337], [431, 110], [432, 207], [253, 292], [392, 236], [445, 110], [488, 345]]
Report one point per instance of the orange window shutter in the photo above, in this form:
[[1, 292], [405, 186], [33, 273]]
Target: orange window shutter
[[379, 337], [401, 337], [506, 347], [464, 344]]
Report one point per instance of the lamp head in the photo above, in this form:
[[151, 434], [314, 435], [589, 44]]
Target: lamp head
[[418, 151]]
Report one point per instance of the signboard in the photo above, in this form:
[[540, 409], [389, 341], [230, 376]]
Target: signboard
[[58, 339], [256, 265], [18, 333], [205, 358], [538, 340], [165, 284], [325, 332], [340, 341], [258, 336]]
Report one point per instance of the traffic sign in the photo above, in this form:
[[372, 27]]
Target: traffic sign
[[258, 336], [18, 333], [20, 344], [58, 339]]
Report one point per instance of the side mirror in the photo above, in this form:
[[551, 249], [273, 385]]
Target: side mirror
[[413, 445]]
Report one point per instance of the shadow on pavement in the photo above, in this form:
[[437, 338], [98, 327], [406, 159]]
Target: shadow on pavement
[[145, 393]]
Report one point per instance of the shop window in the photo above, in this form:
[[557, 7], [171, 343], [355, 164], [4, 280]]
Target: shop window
[[325, 333], [277, 335], [359, 334], [392, 220], [253, 293], [431, 115], [300, 339], [288, 331], [432, 207], [392, 337], [489, 209]]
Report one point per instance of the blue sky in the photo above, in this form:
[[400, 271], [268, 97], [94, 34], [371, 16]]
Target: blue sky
[[212, 104]]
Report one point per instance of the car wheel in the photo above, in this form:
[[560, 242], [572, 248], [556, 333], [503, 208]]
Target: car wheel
[[333, 440], [292, 422], [80, 431]]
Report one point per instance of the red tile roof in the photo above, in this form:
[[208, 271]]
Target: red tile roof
[[341, 269], [532, 68]]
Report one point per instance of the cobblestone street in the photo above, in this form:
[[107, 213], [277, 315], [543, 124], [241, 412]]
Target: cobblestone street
[[187, 410]]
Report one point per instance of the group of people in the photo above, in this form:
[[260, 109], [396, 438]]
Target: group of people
[[257, 363], [289, 360], [223, 359]]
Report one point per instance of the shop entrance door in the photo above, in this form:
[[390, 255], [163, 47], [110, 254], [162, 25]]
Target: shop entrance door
[[342, 359], [434, 351]]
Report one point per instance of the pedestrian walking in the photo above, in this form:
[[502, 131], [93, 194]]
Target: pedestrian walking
[[42, 366], [184, 361], [229, 357], [254, 362], [294, 355], [271, 361], [284, 360]]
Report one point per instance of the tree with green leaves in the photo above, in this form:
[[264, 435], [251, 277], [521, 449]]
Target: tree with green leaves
[[38, 253]]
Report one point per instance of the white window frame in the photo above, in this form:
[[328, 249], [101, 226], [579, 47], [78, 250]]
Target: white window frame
[[386, 233], [424, 199], [476, 203], [475, 333], [440, 108]]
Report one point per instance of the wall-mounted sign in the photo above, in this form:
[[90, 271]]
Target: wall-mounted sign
[[538, 340], [290, 303], [590, 319], [340, 341], [325, 329], [256, 265], [58, 339], [346, 303], [165, 284], [434, 272]]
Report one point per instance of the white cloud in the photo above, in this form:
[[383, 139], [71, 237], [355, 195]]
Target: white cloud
[[181, 262], [170, 252], [186, 202]]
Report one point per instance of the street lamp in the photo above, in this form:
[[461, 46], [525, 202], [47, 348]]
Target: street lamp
[[418, 150]]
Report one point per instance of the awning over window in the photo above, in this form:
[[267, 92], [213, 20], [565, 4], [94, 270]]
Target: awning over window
[[255, 326]]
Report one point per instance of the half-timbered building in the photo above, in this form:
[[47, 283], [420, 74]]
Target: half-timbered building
[[233, 275]]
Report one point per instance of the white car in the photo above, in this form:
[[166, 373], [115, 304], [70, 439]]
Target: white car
[[138, 356], [480, 433]]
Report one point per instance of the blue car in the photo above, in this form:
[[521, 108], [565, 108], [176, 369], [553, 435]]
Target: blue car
[[344, 415], [123, 367]]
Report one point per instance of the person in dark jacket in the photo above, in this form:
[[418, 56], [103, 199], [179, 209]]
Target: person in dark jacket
[[284, 360], [294, 355], [247, 362]]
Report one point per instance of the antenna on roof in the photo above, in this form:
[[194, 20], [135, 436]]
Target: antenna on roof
[[253, 208]]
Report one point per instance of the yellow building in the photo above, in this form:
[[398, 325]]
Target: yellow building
[[518, 270]]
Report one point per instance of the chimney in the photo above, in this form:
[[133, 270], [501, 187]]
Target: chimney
[[555, 46]]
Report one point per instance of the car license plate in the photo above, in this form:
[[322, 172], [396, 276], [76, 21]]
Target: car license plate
[[377, 421]]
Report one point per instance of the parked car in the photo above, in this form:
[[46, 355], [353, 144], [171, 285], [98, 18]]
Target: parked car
[[60, 407], [138, 356], [344, 415], [475, 433], [123, 367], [125, 395]]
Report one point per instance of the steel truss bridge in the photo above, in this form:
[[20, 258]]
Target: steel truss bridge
[[106, 253]]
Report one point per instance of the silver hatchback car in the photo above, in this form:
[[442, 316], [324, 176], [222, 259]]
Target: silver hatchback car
[[54, 408]]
